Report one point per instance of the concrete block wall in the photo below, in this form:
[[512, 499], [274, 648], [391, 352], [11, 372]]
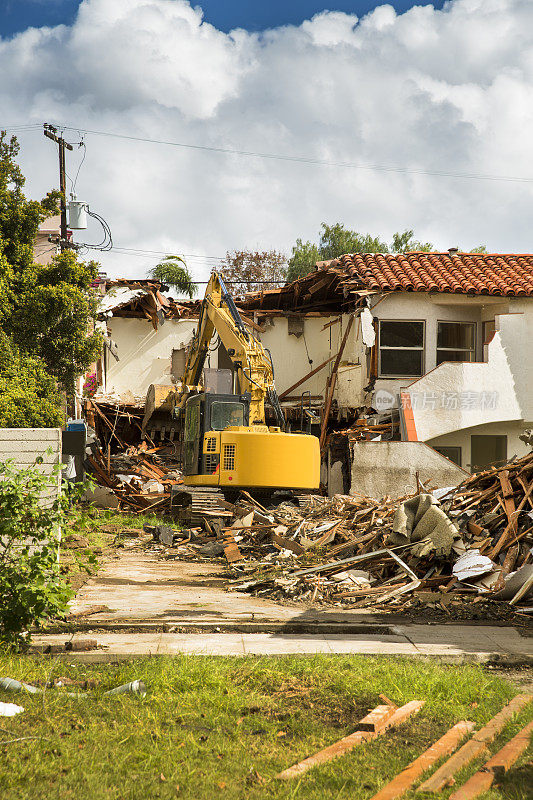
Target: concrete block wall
[[389, 468], [23, 445]]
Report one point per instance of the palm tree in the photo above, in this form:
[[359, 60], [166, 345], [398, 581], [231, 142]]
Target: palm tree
[[173, 270]]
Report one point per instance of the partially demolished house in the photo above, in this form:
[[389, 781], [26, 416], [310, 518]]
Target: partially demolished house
[[449, 362], [146, 333], [409, 366]]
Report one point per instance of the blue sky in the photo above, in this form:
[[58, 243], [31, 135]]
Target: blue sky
[[17, 15]]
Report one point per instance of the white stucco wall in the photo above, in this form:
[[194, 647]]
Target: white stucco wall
[[461, 438], [144, 353], [430, 309], [291, 359], [457, 396]]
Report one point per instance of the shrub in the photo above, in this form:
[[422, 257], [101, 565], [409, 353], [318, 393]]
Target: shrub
[[29, 396], [31, 587]]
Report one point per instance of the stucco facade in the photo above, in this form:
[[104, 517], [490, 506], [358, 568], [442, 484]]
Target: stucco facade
[[320, 338], [144, 354], [490, 396]]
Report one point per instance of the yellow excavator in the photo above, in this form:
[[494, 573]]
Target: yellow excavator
[[226, 442]]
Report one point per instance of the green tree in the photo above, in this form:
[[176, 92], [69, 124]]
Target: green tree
[[28, 393], [253, 270], [45, 310], [173, 270], [406, 243], [53, 315], [335, 240]]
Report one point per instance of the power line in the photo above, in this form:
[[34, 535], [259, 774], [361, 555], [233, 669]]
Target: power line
[[303, 159], [139, 251], [282, 157]]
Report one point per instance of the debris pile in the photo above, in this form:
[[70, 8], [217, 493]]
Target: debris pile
[[140, 478], [473, 543]]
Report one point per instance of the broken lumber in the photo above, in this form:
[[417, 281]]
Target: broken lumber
[[483, 779], [442, 747], [475, 746], [331, 384], [352, 740]]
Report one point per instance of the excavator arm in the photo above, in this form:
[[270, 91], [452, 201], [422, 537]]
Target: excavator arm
[[252, 363]]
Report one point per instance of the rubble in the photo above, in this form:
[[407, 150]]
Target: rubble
[[474, 545], [437, 550], [139, 479]]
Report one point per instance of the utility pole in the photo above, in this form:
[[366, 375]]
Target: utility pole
[[51, 133]]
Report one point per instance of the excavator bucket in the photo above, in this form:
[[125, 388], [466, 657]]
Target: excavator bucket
[[158, 422]]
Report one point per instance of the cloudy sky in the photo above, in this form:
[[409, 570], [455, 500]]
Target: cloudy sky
[[386, 117]]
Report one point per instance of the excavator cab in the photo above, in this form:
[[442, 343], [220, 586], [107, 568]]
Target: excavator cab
[[207, 412]]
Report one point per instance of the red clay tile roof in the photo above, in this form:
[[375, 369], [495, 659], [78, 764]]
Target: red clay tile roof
[[460, 273]]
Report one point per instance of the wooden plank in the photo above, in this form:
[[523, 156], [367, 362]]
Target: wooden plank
[[376, 718], [475, 747], [287, 544], [511, 528], [483, 779], [232, 552], [442, 747], [349, 742], [332, 382]]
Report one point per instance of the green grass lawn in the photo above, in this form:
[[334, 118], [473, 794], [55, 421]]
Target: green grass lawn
[[223, 727]]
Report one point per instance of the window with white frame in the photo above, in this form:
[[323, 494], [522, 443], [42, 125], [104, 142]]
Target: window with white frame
[[401, 348], [456, 341]]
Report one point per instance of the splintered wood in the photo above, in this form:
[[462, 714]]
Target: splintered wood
[[345, 550], [381, 718], [138, 482], [339, 550]]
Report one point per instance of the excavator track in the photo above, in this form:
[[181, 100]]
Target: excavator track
[[193, 504]]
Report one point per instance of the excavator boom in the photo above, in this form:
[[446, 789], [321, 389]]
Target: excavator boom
[[226, 442]]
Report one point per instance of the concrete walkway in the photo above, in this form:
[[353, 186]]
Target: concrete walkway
[[157, 607], [454, 643]]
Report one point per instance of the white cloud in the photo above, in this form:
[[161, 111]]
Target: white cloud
[[448, 91]]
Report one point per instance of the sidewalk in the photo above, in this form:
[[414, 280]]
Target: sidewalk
[[156, 607], [454, 643]]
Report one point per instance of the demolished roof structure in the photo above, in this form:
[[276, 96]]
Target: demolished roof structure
[[143, 299], [341, 282]]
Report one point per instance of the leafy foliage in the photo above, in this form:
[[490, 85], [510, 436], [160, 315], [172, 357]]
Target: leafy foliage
[[406, 243], [53, 314], [28, 394], [173, 270], [336, 240], [45, 310], [249, 270], [31, 587]]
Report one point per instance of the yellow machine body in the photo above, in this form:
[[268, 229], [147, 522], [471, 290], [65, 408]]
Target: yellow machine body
[[259, 457]]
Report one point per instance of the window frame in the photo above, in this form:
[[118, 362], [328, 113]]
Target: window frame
[[439, 448], [236, 404], [455, 349], [418, 349]]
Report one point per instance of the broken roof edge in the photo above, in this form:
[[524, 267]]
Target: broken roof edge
[[345, 279], [142, 298]]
